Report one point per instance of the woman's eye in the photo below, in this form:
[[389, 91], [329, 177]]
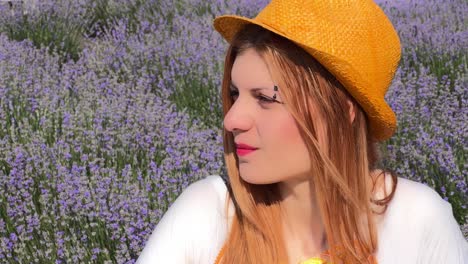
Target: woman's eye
[[262, 98], [265, 99]]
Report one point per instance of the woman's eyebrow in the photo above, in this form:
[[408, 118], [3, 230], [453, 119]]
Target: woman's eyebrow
[[232, 85]]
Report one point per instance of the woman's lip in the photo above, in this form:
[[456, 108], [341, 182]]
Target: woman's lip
[[244, 146], [242, 152]]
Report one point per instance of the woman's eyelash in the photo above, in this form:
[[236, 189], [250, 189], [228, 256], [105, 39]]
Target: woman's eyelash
[[262, 98]]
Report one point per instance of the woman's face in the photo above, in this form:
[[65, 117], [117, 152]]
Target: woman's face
[[268, 126]]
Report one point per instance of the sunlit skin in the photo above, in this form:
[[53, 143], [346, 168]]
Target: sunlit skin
[[281, 156], [268, 126]]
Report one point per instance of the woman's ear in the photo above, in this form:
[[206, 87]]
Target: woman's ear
[[352, 114]]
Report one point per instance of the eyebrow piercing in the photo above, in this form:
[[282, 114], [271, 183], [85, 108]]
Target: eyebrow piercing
[[275, 88]]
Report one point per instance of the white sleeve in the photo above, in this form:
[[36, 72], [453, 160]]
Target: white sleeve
[[443, 240], [189, 230]]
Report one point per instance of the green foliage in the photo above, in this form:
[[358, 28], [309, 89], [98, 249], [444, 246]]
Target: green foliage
[[102, 16], [66, 36], [49, 30], [201, 101], [441, 65]]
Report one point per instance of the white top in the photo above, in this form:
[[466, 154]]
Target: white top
[[418, 227]]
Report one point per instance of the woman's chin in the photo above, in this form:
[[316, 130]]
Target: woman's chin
[[256, 179]]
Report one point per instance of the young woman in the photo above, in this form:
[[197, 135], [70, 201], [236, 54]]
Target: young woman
[[303, 99]]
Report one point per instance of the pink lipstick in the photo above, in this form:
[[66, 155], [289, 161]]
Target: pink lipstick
[[244, 149]]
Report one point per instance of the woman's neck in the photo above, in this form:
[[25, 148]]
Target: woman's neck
[[303, 230]]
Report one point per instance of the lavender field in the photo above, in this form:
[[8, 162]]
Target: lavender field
[[108, 110]]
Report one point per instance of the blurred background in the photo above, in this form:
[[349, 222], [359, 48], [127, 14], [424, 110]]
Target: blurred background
[[109, 109]]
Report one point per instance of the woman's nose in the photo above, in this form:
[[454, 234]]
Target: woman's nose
[[238, 118]]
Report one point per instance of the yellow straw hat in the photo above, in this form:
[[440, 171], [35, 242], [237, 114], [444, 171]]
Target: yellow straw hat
[[353, 39]]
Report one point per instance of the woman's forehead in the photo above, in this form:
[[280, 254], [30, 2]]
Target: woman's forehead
[[250, 70]]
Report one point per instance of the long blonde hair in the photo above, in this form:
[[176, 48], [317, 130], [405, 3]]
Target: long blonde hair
[[341, 172]]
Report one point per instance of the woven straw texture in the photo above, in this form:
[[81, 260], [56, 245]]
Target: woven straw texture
[[354, 40]]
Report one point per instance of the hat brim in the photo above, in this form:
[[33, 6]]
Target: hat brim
[[382, 119]]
